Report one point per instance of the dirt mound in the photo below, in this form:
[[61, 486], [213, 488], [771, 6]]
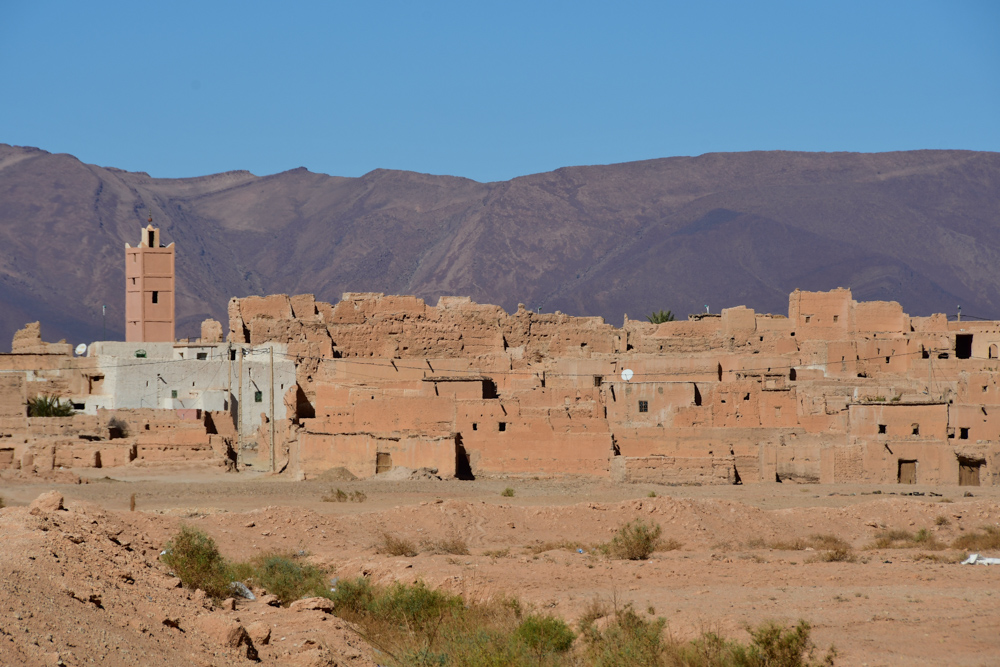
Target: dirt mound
[[402, 474], [81, 586], [339, 474]]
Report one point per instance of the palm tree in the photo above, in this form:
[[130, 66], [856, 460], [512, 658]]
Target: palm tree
[[660, 317], [49, 406]]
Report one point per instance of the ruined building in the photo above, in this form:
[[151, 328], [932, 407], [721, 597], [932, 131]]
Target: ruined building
[[837, 391]]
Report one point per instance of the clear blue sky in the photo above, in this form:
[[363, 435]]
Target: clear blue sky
[[490, 90]]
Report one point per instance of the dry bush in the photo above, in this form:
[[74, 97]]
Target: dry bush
[[940, 558], [498, 553], [453, 545], [756, 543], [636, 540], [837, 555], [941, 520], [507, 493], [904, 539], [985, 539], [397, 546], [816, 541]]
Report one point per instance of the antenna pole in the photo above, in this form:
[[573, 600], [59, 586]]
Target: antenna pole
[[104, 322], [959, 313]]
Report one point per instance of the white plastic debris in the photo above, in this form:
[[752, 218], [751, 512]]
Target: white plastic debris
[[240, 589], [976, 559]]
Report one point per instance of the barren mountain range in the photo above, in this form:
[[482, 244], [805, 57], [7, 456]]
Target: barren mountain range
[[723, 229]]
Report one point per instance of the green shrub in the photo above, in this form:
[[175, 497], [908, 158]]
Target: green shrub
[[507, 493], [660, 317], [285, 576], [195, 559], [49, 406], [636, 540], [772, 644], [545, 634], [628, 640]]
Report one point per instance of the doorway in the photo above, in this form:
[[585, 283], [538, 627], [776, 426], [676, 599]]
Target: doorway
[[968, 471], [907, 472], [383, 462]]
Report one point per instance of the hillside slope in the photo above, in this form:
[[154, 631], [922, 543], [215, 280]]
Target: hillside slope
[[920, 227]]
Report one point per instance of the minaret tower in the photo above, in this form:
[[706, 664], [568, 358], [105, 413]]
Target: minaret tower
[[149, 289]]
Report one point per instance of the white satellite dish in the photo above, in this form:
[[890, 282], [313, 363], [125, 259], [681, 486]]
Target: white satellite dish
[[81, 349], [627, 374]]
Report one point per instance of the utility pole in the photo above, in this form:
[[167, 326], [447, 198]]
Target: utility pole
[[271, 419], [239, 410], [960, 314]]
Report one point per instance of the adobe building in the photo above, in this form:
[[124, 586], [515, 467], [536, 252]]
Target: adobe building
[[149, 289], [837, 391]]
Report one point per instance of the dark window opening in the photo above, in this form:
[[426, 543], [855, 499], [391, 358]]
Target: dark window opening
[[202, 356], [383, 462], [697, 396], [963, 434], [943, 355], [881, 428], [502, 426], [925, 354], [598, 379], [746, 397], [152, 236], [916, 429], [173, 393], [963, 346], [720, 372], [836, 317], [643, 406], [791, 374], [475, 426], [258, 397], [232, 355], [808, 318], [156, 296], [887, 359]]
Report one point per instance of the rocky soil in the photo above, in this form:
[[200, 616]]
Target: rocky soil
[[83, 584]]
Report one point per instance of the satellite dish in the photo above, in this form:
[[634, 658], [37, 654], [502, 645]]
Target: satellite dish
[[627, 374], [81, 349]]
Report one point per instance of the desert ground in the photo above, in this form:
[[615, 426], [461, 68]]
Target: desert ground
[[84, 584]]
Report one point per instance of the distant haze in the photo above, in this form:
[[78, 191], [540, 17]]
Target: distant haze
[[724, 229]]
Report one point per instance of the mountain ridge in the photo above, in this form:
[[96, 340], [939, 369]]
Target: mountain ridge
[[919, 227]]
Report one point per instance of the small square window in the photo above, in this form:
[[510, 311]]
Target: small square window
[[836, 317], [643, 406], [258, 397], [808, 318], [202, 356], [156, 296], [916, 429], [746, 397], [502, 426], [475, 426], [598, 380], [881, 428], [173, 393], [963, 434], [984, 388]]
